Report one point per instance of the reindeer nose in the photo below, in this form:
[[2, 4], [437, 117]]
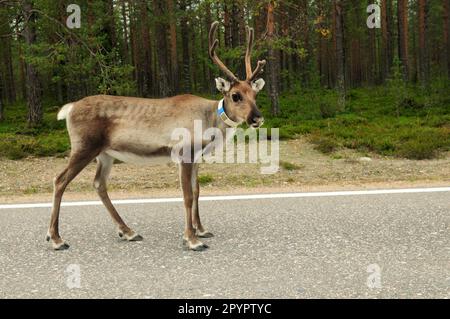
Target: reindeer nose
[[258, 121]]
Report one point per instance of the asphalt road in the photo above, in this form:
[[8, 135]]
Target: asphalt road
[[318, 247]]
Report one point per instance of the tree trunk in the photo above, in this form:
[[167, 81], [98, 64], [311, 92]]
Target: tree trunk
[[227, 24], [423, 47], [241, 21], [209, 74], [228, 32], [161, 43], [304, 32], [173, 47], [234, 20], [242, 33], [33, 87], [260, 21], [372, 60], [402, 13], [134, 56], [22, 80], [414, 64], [282, 20], [146, 53], [340, 52], [273, 63], [126, 45], [386, 38], [192, 52], [186, 71], [446, 13], [323, 54], [61, 88], [111, 26], [9, 88]]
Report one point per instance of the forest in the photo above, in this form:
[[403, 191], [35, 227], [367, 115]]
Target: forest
[[367, 75]]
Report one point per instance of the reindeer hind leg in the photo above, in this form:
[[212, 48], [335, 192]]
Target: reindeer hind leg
[[77, 162], [104, 165]]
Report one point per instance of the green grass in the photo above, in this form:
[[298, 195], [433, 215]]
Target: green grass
[[205, 179], [290, 166], [414, 124]]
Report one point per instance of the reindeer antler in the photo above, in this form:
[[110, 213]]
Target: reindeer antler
[[213, 43], [212, 53], [248, 54]]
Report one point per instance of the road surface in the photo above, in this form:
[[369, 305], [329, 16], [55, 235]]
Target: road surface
[[356, 246]]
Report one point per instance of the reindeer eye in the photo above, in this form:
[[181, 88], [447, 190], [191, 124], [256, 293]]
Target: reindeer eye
[[236, 97]]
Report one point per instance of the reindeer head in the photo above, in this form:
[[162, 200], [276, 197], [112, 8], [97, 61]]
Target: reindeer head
[[239, 96]]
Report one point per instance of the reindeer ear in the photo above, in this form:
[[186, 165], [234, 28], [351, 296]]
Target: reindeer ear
[[223, 85], [258, 85]]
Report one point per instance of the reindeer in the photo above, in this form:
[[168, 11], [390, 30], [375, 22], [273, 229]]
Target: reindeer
[[138, 130]]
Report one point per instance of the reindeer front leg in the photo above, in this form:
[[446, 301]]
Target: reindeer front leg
[[189, 238], [201, 232]]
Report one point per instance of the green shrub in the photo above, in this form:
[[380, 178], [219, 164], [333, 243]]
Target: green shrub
[[11, 151], [205, 179], [20, 146], [351, 120], [423, 144], [290, 166], [15, 148], [417, 150], [410, 103], [383, 145], [325, 145], [327, 110]]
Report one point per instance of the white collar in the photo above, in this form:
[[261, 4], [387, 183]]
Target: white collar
[[221, 113]]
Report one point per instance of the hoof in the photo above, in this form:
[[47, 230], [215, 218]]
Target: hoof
[[136, 237], [61, 246], [205, 234], [199, 246], [132, 237]]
